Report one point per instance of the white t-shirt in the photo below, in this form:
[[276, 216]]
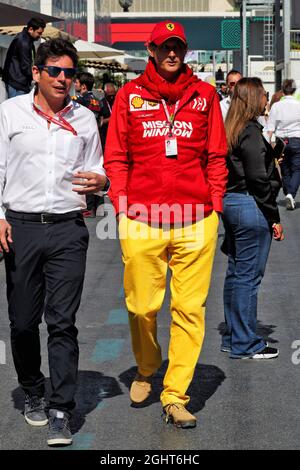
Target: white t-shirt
[[284, 118]]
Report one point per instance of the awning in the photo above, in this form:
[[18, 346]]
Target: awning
[[49, 32], [19, 16], [91, 50], [135, 64], [112, 65]]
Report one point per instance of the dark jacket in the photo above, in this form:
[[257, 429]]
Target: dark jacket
[[89, 100], [105, 113], [19, 58], [252, 168]]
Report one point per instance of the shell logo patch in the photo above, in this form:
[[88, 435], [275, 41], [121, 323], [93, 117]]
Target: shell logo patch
[[170, 26], [137, 102]]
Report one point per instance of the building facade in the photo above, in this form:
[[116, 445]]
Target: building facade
[[74, 13], [174, 6], [85, 19]]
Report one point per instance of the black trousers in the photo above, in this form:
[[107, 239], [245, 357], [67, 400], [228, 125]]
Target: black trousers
[[290, 167], [45, 271], [93, 201]]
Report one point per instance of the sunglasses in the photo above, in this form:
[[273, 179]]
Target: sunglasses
[[54, 71]]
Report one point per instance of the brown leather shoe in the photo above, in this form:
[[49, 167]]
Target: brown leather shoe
[[140, 388], [177, 414]]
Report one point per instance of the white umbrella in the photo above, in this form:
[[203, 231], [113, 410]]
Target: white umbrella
[[91, 50]]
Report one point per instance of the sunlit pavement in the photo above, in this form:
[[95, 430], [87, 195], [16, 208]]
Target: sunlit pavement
[[239, 404]]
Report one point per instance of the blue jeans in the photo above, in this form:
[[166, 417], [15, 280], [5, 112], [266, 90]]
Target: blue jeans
[[290, 167], [247, 243], [12, 92]]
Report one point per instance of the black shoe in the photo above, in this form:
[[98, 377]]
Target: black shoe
[[59, 432], [34, 412], [267, 353]]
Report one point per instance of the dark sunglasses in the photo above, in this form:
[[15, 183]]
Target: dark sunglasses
[[54, 71]]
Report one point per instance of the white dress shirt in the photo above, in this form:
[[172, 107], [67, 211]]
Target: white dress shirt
[[37, 163], [3, 93], [225, 103], [284, 118]]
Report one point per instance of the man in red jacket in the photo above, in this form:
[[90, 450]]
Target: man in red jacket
[[165, 157]]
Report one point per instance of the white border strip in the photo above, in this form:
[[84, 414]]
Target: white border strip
[[192, 14]]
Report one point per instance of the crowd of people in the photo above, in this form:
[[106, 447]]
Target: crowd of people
[[176, 161]]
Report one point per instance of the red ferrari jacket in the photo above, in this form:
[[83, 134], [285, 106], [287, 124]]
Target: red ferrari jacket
[[147, 185]]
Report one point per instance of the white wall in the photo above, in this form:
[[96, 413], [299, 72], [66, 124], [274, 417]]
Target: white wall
[[91, 20], [46, 7], [220, 5], [295, 71]]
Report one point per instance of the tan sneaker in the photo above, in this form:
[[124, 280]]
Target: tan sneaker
[[140, 388], [177, 414]]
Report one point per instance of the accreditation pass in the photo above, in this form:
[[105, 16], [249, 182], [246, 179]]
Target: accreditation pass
[[171, 146]]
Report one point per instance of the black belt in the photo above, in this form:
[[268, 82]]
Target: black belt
[[43, 217]]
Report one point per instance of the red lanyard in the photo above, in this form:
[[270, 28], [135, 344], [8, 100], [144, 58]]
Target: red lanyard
[[61, 122], [170, 117]]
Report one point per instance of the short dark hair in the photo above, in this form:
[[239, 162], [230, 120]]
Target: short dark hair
[[54, 48], [289, 86], [36, 23], [233, 72], [87, 79]]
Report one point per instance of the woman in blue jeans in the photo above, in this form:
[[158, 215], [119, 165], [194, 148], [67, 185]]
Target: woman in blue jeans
[[250, 217]]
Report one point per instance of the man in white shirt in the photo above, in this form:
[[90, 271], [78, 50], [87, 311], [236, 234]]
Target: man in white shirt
[[284, 121], [232, 78], [3, 92], [50, 158]]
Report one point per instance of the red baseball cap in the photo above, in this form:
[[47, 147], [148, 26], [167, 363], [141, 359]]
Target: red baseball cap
[[166, 30]]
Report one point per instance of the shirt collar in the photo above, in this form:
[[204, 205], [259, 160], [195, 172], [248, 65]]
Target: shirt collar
[[69, 103], [258, 124]]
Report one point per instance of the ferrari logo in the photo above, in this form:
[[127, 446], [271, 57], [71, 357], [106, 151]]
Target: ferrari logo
[[170, 26]]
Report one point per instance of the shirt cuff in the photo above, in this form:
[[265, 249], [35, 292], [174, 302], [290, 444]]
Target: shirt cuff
[[217, 203], [2, 215]]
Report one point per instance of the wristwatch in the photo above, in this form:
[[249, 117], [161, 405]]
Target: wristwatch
[[107, 186]]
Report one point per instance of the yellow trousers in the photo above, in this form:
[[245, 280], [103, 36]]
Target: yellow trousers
[[147, 253]]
